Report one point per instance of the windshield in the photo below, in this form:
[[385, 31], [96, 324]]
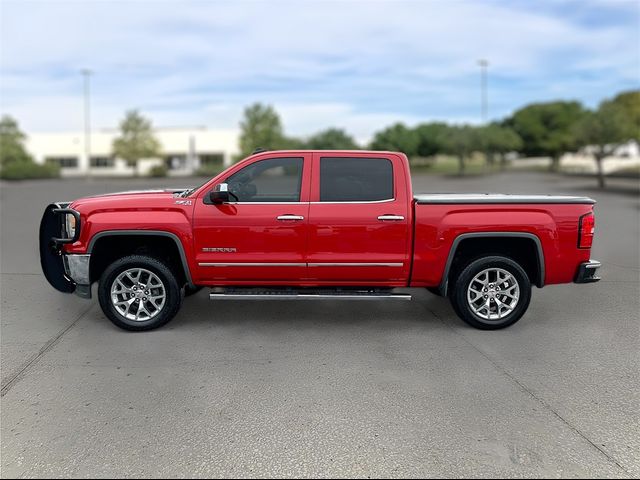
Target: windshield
[[189, 191]]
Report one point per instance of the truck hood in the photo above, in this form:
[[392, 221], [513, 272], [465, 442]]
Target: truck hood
[[133, 199], [141, 192]]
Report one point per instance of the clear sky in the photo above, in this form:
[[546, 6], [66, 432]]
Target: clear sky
[[360, 65]]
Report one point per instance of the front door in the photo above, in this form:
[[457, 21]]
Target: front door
[[260, 236], [359, 220]]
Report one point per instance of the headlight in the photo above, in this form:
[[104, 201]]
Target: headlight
[[70, 225]]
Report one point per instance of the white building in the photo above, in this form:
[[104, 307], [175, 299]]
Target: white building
[[623, 157], [184, 150]]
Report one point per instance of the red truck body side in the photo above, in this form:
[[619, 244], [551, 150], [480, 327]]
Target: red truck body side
[[339, 243]]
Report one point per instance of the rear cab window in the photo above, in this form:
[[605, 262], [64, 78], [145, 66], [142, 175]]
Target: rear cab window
[[356, 179]]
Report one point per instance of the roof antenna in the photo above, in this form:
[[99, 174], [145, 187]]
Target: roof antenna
[[259, 150]]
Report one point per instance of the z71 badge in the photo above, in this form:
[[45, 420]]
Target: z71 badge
[[184, 202]]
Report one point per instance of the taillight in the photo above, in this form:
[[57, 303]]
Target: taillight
[[586, 228]]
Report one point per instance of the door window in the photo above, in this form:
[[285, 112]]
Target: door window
[[271, 180], [355, 179]]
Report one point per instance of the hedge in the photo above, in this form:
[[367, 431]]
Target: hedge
[[29, 170], [158, 171], [208, 171]]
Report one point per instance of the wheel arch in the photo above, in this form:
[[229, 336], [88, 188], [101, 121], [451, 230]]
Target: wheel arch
[[538, 278], [174, 240]]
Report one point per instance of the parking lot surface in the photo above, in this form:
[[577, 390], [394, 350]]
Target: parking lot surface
[[328, 389]]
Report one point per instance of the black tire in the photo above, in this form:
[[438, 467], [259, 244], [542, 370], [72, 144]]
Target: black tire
[[463, 309], [188, 291], [172, 292]]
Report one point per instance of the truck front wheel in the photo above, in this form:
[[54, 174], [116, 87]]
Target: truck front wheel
[[491, 293], [138, 292]]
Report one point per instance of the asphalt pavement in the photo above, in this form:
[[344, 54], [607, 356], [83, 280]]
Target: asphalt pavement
[[323, 389]]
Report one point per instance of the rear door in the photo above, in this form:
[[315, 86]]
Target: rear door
[[358, 220]]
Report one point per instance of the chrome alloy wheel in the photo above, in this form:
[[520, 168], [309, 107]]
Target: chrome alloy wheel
[[138, 294], [493, 294]]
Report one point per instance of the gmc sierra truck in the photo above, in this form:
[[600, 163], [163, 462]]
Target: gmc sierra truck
[[338, 225]]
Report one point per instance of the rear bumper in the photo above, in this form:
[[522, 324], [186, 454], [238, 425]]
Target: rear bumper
[[587, 272]]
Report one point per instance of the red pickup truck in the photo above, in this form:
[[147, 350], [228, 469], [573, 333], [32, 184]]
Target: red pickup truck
[[315, 225]]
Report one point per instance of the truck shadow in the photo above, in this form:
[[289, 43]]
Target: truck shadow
[[198, 311]]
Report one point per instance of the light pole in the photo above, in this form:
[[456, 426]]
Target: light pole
[[86, 74], [484, 103]]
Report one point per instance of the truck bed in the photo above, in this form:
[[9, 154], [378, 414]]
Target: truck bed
[[550, 222], [498, 198]]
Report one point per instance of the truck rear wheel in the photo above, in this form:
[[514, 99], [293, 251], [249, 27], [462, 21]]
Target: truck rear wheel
[[138, 292], [491, 293]]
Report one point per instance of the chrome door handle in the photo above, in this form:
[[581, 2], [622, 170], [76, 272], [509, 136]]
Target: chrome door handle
[[290, 218], [390, 218]]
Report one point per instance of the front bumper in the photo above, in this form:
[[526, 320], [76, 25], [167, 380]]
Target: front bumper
[[76, 267], [66, 273], [587, 272]]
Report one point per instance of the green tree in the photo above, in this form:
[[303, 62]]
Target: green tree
[[12, 143], [331, 139], [629, 102], [614, 122], [15, 161], [293, 143], [397, 137], [496, 140], [136, 140], [461, 141], [261, 128], [547, 129], [431, 138]]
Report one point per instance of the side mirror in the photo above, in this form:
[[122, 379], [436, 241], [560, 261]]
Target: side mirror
[[220, 194]]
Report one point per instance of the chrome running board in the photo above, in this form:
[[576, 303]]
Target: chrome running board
[[305, 294]]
